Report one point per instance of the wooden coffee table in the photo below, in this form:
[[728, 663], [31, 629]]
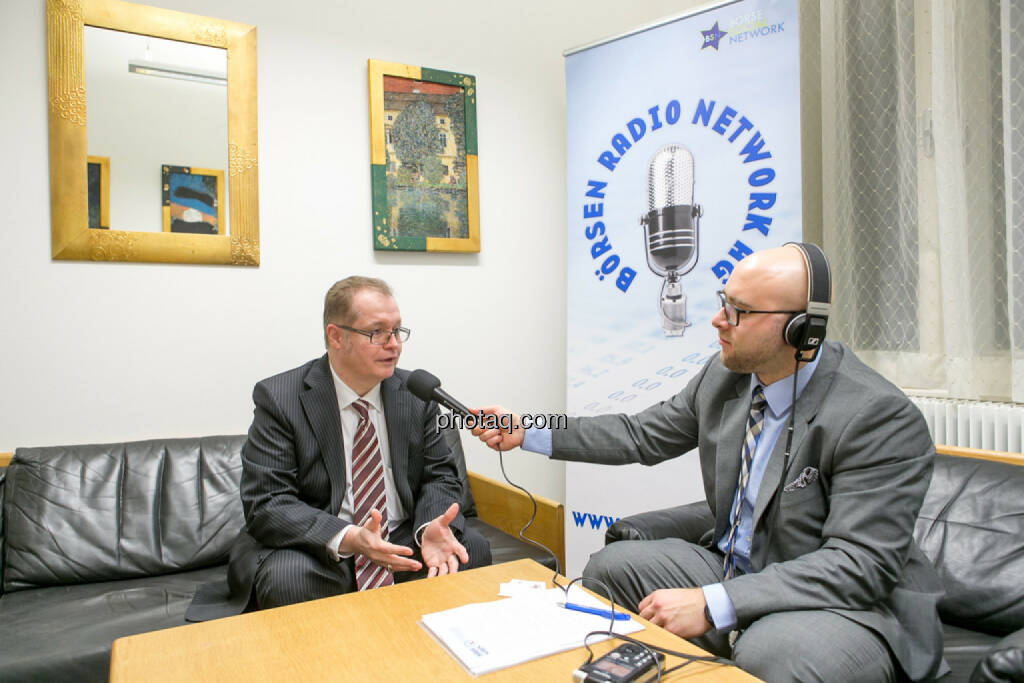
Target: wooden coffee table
[[370, 636]]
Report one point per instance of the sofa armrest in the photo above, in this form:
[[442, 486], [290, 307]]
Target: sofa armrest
[[688, 522], [507, 509], [3, 529], [1003, 663]]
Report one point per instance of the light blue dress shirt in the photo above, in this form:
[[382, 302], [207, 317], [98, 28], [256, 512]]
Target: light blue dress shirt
[[779, 396]]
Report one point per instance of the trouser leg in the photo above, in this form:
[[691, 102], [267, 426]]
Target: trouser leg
[[287, 576], [809, 646], [632, 570]]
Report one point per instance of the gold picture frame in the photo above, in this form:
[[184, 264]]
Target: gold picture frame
[[209, 182], [70, 236], [430, 200]]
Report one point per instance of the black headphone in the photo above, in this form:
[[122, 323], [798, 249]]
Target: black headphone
[[805, 331]]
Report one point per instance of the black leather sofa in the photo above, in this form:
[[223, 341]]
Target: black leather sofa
[[104, 541], [971, 526]]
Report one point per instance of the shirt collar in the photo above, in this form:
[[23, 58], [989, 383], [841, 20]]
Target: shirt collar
[[779, 395], [347, 396]]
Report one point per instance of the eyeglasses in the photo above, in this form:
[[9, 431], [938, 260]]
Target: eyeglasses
[[732, 312], [380, 337]]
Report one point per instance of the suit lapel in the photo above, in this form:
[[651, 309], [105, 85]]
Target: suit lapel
[[773, 471], [732, 428], [398, 414], [807, 406], [320, 403]]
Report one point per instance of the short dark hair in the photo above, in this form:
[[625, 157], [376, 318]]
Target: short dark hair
[[338, 301]]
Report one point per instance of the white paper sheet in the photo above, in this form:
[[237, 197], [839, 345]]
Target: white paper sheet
[[486, 636]]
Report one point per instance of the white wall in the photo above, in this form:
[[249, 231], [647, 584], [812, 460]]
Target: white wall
[[95, 352]]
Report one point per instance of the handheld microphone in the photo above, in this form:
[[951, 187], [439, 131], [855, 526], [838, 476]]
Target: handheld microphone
[[670, 229], [427, 387]]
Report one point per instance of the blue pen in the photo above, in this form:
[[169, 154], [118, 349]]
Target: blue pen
[[607, 614]]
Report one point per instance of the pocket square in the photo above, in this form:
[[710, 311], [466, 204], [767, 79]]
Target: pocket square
[[806, 478]]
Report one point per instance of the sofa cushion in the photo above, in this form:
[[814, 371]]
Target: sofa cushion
[[507, 548], [77, 514], [970, 527], [64, 633]]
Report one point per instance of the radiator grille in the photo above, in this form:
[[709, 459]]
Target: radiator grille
[[974, 424]]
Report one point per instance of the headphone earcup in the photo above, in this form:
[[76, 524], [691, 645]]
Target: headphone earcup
[[793, 330]]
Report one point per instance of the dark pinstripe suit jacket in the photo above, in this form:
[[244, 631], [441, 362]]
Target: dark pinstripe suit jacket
[[293, 473]]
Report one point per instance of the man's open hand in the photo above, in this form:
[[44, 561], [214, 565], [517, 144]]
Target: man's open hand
[[367, 540], [441, 551]]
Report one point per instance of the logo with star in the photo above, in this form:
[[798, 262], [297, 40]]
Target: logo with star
[[712, 36]]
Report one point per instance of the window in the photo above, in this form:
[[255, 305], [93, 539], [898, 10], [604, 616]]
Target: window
[[923, 190]]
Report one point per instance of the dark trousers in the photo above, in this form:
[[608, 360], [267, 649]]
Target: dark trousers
[[287, 576]]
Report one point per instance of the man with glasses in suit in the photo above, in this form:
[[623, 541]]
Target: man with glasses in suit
[[807, 569], [346, 483]]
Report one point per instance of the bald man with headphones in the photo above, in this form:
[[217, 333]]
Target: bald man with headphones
[[814, 467]]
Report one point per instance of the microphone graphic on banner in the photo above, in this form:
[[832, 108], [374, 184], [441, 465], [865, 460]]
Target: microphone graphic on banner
[[670, 230]]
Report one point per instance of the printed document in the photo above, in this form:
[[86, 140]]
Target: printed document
[[486, 636]]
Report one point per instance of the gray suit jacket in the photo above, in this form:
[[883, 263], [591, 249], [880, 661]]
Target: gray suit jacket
[[843, 542], [293, 474]]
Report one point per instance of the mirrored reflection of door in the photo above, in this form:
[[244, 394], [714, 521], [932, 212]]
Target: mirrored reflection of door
[[169, 110]]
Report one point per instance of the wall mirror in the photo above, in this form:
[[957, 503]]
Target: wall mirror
[[153, 146]]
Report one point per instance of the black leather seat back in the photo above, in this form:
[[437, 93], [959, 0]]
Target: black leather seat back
[[971, 526], [79, 514]]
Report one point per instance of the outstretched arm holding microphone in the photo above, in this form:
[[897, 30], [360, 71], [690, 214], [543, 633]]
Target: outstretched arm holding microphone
[[812, 533]]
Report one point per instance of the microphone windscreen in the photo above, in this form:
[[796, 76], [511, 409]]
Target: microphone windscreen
[[422, 384], [670, 178]]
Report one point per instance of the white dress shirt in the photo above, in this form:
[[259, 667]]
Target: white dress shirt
[[349, 422]]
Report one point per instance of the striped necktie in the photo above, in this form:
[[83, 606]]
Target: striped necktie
[[754, 424], [368, 494]]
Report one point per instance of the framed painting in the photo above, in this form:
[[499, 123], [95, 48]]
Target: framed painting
[[423, 159], [98, 183], [193, 200]]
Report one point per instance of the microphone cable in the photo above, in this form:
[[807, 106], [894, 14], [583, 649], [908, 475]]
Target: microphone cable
[[651, 649], [789, 445], [792, 418], [533, 517]]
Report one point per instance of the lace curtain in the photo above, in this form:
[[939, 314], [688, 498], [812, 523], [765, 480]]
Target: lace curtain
[[923, 189]]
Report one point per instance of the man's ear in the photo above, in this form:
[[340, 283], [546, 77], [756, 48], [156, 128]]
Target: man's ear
[[334, 335]]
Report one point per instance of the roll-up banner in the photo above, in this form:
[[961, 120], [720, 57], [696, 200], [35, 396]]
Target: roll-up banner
[[683, 143]]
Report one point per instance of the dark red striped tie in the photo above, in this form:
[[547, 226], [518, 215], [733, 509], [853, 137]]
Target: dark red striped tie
[[368, 494]]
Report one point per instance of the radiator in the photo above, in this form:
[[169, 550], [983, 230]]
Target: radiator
[[974, 424]]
